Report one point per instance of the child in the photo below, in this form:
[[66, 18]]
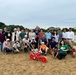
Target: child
[[55, 52], [7, 46], [16, 47], [43, 49], [53, 46]]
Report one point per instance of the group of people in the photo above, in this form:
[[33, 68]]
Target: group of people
[[58, 43]]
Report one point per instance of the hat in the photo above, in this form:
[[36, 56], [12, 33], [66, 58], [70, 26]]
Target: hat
[[33, 38], [42, 42], [7, 39], [25, 35], [15, 29]]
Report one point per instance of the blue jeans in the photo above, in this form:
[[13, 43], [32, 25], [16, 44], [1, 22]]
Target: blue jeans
[[1, 46]]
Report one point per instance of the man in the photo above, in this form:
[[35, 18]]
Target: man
[[5, 32], [2, 38], [15, 35], [70, 37], [37, 30], [64, 34], [22, 34], [48, 35], [60, 34], [27, 31], [53, 45], [9, 35]]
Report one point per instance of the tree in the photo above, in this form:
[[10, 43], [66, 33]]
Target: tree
[[2, 25], [11, 27]]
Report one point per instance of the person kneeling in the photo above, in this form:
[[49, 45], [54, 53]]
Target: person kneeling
[[43, 49], [16, 47], [7, 46], [63, 50]]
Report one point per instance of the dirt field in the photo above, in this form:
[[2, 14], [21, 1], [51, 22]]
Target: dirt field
[[20, 64]]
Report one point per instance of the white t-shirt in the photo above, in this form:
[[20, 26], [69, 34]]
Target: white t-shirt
[[25, 40], [18, 32], [65, 35], [16, 45], [31, 35], [56, 38], [71, 35]]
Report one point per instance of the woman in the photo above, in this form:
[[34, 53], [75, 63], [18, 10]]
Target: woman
[[7, 47], [56, 36], [32, 34], [63, 50]]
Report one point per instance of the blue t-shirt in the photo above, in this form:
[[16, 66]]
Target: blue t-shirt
[[48, 35], [44, 40], [53, 44]]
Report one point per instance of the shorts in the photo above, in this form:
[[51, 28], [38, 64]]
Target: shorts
[[43, 51], [55, 51]]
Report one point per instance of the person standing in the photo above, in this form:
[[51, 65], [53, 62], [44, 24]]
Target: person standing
[[48, 36], [60, 34], [37, 30], [15, 35], [2, 38], [70, 37], [56, 37], [18, 31], [32, 34], [41, 34], [5, 32], [27, 31], [9, 35], [64, 34], [22, 34]]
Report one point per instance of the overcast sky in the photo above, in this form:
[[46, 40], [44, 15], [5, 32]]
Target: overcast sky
[[44, 13]]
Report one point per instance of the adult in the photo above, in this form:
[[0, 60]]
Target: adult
[[70, 37], [8, 35], [5, 32], [60, 34], [15, 35], [45, 40], [26, 43], [27, 31], [22, 34], [56, 36], [25, 39], [31, 34], [7, 46], [2, 38], [37, 30], [41, 34], [53, 45], [71, 34], [18, 31], [48, 35], [63, 50], [64, 34]]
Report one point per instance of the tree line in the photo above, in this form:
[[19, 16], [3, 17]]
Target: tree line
[[11, 27]]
